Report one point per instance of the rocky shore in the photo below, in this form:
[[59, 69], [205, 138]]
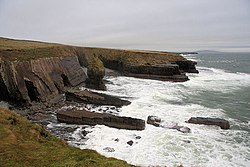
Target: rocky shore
[[40, 77]]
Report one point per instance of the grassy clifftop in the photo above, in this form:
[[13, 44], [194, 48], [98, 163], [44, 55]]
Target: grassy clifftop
[[135, 57], [25, 144], [11, 49]]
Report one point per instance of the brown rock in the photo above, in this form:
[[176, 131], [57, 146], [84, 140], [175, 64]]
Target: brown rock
[[89, 118], [224, 124], [40, 79], [90, 97]]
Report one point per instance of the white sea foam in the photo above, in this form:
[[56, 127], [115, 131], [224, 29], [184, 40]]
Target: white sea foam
[[204, 146]]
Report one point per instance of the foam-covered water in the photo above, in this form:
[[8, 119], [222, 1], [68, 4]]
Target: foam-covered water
[[214, 92]]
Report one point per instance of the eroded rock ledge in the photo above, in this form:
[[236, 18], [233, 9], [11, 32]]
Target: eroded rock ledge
[[90, 97], [224, 124], [90, 118]]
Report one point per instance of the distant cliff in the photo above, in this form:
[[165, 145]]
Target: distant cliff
[[37, 71]]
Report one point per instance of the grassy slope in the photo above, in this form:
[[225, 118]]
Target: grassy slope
[[11, 49], [25, 144]]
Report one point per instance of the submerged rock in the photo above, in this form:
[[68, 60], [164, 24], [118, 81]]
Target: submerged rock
[[89, 118], [158, 122], [109, 149], [224, 124]]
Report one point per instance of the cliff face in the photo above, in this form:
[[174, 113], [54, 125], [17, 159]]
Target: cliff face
[[36, 71], [40, 79], [164, 66]]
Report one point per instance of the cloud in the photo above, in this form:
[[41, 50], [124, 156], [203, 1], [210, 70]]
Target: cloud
[[163, 24]]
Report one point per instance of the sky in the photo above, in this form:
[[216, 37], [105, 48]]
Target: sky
[[169, 25]]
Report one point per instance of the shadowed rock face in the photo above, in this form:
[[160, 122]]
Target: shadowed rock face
[[89, 118], [38, 80], [89, 97], [224, 124]]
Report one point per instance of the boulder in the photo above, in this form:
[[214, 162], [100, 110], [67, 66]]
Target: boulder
[[84, 117], [158, 122], [130, 142], [224, 124], [90, 97]]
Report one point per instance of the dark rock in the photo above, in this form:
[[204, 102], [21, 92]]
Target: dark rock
[[138, 137], [89, 118], [153, 120], [40, 79], [90, 97], [84, 132], [187, 66], [117, 140], [130, 142], [163, 72], [224, 124]]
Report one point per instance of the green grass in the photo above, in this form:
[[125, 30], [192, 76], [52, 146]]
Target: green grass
[[25, 144], [20, 50]]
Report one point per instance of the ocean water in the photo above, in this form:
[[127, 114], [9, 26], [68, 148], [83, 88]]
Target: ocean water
[[221, 89]]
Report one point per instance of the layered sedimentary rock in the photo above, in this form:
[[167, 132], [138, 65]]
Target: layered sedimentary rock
[[224, 124], [35, 71], [90, 97], [163, 66], [89, 118], [39, 79]]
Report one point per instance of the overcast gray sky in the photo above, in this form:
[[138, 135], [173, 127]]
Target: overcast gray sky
[[171, 25]]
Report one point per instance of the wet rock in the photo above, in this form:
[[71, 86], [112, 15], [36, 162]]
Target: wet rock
[[158, 122], [84, 132], [187, 66], [153, 120], [90, 97], [138, 137], [224, 124], [130, 142], [89, 118], [109, 149]]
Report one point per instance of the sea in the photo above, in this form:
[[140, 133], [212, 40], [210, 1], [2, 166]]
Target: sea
[[220, 90]]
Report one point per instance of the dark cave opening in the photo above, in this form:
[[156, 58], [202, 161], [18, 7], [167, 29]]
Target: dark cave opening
[[65, 80], [32, 91]]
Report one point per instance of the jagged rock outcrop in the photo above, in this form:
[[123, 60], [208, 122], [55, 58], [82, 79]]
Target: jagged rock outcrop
[[39, 79], [84, 117], [224, 124], [90, 97]]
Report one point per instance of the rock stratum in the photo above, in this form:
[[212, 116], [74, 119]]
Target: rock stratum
[[90, 118], [37, 71]]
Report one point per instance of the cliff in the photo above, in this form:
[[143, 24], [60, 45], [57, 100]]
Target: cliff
[[37, 71]]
